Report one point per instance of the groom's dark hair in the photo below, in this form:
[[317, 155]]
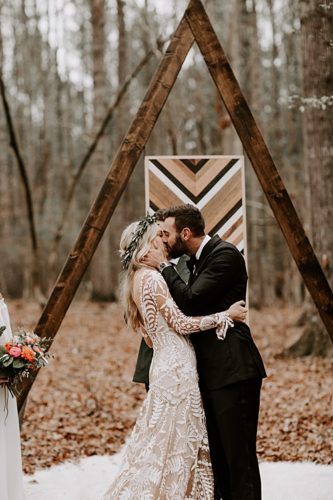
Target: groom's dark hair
[[186, 216]]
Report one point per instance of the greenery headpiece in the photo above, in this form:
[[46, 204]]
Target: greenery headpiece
[[141, 228]]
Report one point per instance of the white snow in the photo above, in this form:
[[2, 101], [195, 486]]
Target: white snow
[[89, 478]]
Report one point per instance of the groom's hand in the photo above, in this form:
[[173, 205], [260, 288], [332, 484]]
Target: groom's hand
[[154, 257]]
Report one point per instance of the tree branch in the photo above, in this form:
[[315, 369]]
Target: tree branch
[[70, 194], [112, 189], [22, 169]]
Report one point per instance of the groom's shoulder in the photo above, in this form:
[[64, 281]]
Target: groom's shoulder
[[223, 249], [224, 246]]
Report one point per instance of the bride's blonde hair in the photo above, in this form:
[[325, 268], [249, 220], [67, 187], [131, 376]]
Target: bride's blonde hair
[[132, 265]]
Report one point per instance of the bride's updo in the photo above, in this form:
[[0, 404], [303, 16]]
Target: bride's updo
[[135, 243]]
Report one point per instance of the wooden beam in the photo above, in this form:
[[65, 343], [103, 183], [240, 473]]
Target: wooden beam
[[262, 162], [114, 185], [195, 24]]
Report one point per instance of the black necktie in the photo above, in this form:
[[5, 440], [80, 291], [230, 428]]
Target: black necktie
[[191, 264]]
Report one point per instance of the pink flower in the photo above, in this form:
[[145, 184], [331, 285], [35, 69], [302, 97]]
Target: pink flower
[[15, 352]]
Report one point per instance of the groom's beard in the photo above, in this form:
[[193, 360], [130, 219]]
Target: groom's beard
[[177, 249]]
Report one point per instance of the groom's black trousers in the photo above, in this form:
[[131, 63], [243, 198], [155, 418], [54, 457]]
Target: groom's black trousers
[[232, 419]]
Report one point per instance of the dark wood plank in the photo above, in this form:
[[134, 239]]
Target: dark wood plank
[[114, 185], [194, 23], [262, 162]]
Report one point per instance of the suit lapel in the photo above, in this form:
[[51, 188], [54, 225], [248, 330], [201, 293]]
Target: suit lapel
[[215, 240]]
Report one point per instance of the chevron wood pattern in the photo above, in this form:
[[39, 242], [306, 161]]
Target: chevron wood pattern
[[215, 184]]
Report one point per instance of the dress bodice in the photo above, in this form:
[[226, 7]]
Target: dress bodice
[[163, 320], [173, 370]]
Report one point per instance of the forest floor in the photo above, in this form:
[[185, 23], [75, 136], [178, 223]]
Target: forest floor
[[84, 402]]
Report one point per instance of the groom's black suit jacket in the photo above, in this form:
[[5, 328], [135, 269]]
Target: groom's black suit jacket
[[219, 280]]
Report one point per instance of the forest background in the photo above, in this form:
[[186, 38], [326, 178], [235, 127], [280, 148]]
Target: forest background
[[72, 77]]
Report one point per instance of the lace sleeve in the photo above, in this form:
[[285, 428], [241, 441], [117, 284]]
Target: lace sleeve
[[156, 297]]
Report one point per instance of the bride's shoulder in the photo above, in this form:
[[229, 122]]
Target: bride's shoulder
[[146, 270], [148, 274]]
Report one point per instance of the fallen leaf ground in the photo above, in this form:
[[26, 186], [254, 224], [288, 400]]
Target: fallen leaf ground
[[84, 402]]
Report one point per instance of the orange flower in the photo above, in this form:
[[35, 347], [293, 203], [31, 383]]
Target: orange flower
[[8, 346], [28, 353]]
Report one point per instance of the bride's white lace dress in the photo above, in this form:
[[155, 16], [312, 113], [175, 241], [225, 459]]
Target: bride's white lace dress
[[11, 484], [167, 455]]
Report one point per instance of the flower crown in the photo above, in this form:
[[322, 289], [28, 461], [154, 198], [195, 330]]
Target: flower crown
[[141, 228]]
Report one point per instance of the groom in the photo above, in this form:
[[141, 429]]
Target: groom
[[230, 370]]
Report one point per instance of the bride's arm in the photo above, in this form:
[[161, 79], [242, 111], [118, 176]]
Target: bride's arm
[[155, 290]]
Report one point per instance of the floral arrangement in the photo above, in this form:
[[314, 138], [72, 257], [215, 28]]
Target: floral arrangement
[[24, 353]]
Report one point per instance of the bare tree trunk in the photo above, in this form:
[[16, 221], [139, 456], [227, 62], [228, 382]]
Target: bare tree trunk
[[28, 197], [90, 151], [123, 64], [294, 286], [317, 35], [257, 206], [108, 197], [4, 185], [231, 140], [262, 162], [123, 212], [101, 264]]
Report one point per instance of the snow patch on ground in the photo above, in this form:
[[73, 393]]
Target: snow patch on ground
[[89, 478]]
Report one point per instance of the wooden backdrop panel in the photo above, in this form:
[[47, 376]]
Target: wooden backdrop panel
[[215, 184]]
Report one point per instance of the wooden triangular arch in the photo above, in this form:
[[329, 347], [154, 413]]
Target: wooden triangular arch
[[194, 26]]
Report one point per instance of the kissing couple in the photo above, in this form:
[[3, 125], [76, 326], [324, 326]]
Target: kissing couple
[[195, 435]]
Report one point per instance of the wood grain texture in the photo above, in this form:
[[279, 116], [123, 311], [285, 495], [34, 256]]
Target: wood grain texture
[[114, 185], [213, 184], [262, 162], [195, 23]]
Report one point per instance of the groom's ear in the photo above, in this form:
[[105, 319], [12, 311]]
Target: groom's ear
[[186, 233]]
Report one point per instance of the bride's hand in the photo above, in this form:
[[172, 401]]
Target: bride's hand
[[237, 311], [154, 257]]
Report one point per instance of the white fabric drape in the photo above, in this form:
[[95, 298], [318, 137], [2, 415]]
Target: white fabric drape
[[11, 484]]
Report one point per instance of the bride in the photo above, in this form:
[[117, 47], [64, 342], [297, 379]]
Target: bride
[[167, 454], [11, 485]]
